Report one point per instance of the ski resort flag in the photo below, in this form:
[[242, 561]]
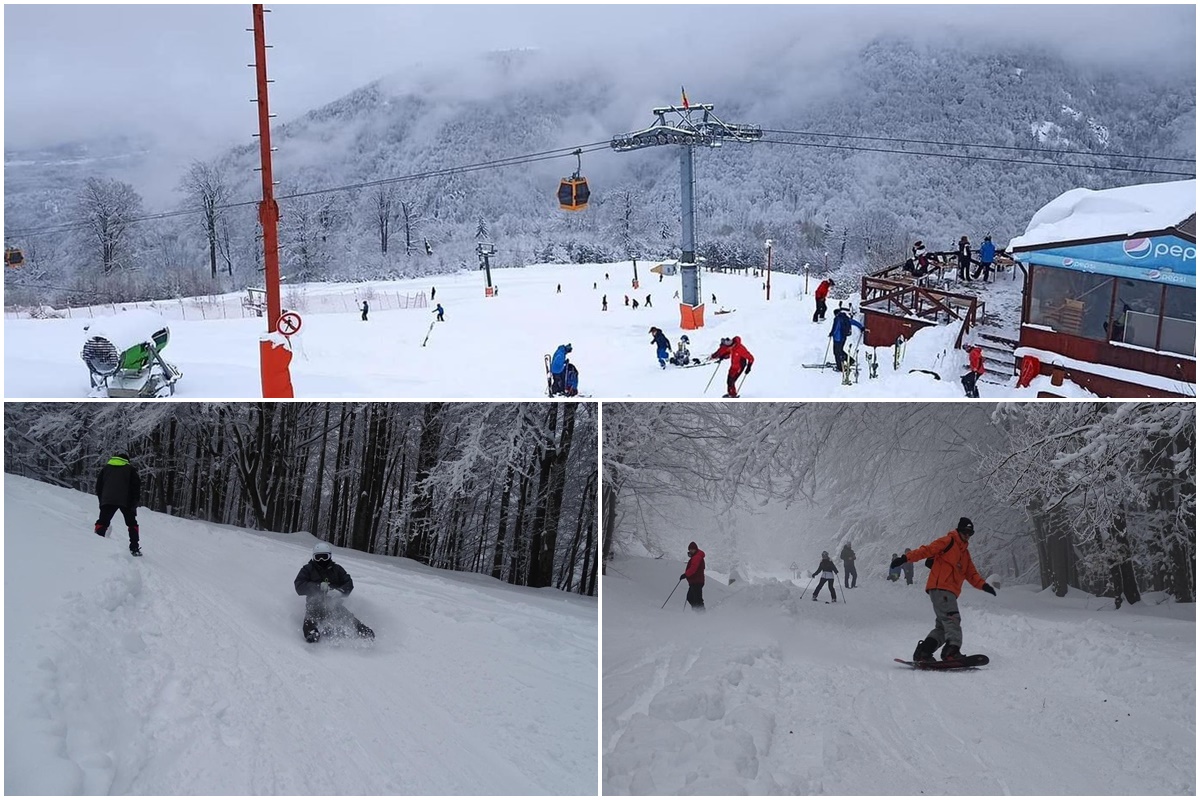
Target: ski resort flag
[[684, 93]]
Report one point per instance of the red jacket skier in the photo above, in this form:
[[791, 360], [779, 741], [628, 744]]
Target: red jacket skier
[[820, 295], [694, 574], [971, 379], [740, 361]]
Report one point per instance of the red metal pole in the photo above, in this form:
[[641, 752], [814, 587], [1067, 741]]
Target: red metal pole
[[274, 356]]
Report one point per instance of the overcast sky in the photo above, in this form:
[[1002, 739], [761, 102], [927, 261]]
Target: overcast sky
[[70, 71]]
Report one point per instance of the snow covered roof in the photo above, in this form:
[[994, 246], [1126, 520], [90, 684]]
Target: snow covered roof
[[1082, 214]]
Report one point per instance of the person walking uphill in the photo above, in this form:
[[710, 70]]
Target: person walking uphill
[[663, 344], [740, 361], [843, 325], [118, 486], [847, 557], [365, 309], [951, 566], [826, 570], [694, 574]]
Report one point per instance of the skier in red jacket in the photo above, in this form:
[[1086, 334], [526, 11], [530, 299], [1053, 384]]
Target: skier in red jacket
[[821, 293], [740, 361], [969, 381], [695, 577]]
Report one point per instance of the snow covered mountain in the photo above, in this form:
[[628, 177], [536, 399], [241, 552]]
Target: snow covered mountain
[[184, 672], [770, 693]]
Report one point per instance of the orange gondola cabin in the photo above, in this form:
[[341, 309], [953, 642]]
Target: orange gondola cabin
[[573, 192], [13, 257]]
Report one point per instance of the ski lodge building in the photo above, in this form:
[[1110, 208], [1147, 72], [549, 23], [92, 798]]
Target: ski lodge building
[[1110, 289]]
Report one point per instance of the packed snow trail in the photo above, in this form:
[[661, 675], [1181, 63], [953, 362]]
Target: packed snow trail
[[771, 693], [493, 347], [185, 671]]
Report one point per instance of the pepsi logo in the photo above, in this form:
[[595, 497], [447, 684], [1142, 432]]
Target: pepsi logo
[[1137, 248]]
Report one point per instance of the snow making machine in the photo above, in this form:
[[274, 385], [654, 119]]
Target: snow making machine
[[123, 361]]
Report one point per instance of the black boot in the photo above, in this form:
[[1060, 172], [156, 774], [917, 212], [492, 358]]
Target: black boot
[[311, 634], [925, 650], [951, 653]]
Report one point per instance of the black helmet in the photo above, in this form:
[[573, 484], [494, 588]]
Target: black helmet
[[684, 339], [726, 341], [568, 347]]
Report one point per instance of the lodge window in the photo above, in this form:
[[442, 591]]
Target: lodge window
[[1140, 313]]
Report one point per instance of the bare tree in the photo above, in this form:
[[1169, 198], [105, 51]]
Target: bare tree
[[107, 208], [385, 198], [206, 184]]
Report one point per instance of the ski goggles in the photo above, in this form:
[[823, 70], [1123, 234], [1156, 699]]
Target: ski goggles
[[322, 557]]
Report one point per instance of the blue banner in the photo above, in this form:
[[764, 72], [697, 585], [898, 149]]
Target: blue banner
[[1159, 259]]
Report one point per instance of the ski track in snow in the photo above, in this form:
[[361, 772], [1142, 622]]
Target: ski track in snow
[[185, 671], [770, 693]]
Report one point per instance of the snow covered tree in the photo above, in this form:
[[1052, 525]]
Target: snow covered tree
[[107, 209], [205, 184]]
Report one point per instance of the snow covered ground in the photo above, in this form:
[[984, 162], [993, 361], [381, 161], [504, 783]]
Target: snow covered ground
[[185, 672], [771, 693], [494, 347]]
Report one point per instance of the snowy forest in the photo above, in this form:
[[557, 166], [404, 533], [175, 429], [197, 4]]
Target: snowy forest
[[1096, 496], [89, 232], [503, 489]]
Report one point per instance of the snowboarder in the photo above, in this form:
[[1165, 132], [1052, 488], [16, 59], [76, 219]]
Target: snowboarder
[[660, 340], [908, 568], [648, 303], [558, 368], [604, 303], [820, 295], [740, 361], [606, 276], [365, 309], [682, 356], [840, 332], [324, 585], [694, 574], [714, 297], [951, 565], [894, 572], [433, 293], [847, 557], [626, 299], [118, 486], [964, 259], [635, 304], [975, 371], [593, 284], [440, 311], [559, 289], [826, 570], [987, 254]]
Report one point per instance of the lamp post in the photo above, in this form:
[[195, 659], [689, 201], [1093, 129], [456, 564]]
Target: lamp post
[[769, 243]]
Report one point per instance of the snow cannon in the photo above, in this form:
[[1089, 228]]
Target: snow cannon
[[124, 357]]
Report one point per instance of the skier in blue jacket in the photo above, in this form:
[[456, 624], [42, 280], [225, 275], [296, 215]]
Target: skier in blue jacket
[[664, 346], [840, 332], [558, 367], [987, 254]]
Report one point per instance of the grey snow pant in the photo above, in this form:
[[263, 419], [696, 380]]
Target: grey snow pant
[[948, 628]]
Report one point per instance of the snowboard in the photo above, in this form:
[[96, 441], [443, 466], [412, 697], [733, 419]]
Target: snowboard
[[966, 662]]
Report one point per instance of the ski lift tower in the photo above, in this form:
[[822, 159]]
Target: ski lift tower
[[691, 126]]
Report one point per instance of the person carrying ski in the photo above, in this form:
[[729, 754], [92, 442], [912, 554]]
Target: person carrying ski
[[826, 570], [365, 309], [907, 567], [323, 585], [660, 340], [987, 254], [840, 332], [964, 259], [847, 557], [558, 368], [694, 574], [682, 356], [975, 371], [894, 572], [951, 566], [118, 487], [820, 295], [740, 361], [440, 311]]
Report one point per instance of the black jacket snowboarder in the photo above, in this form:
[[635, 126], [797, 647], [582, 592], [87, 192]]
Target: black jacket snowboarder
[[365, 308], [118, 486], [324, 584]]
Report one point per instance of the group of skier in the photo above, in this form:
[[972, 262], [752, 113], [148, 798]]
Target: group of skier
[[950, 565], [323, 583]]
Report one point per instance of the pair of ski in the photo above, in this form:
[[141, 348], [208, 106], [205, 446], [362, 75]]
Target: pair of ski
[[963, 662]]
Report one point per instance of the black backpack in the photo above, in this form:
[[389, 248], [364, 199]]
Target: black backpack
[[929, 561]]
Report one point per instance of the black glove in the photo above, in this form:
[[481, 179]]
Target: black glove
[[681, 577], [813, 575], [747, 370], [987, 587], [899, 561]]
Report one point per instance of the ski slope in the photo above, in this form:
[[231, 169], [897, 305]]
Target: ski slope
[[770, 693], [494, 347], [185, 672]]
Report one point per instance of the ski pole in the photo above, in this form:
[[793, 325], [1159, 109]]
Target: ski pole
[[810, 580], [825, 358], [710, 380], [664, 605]]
